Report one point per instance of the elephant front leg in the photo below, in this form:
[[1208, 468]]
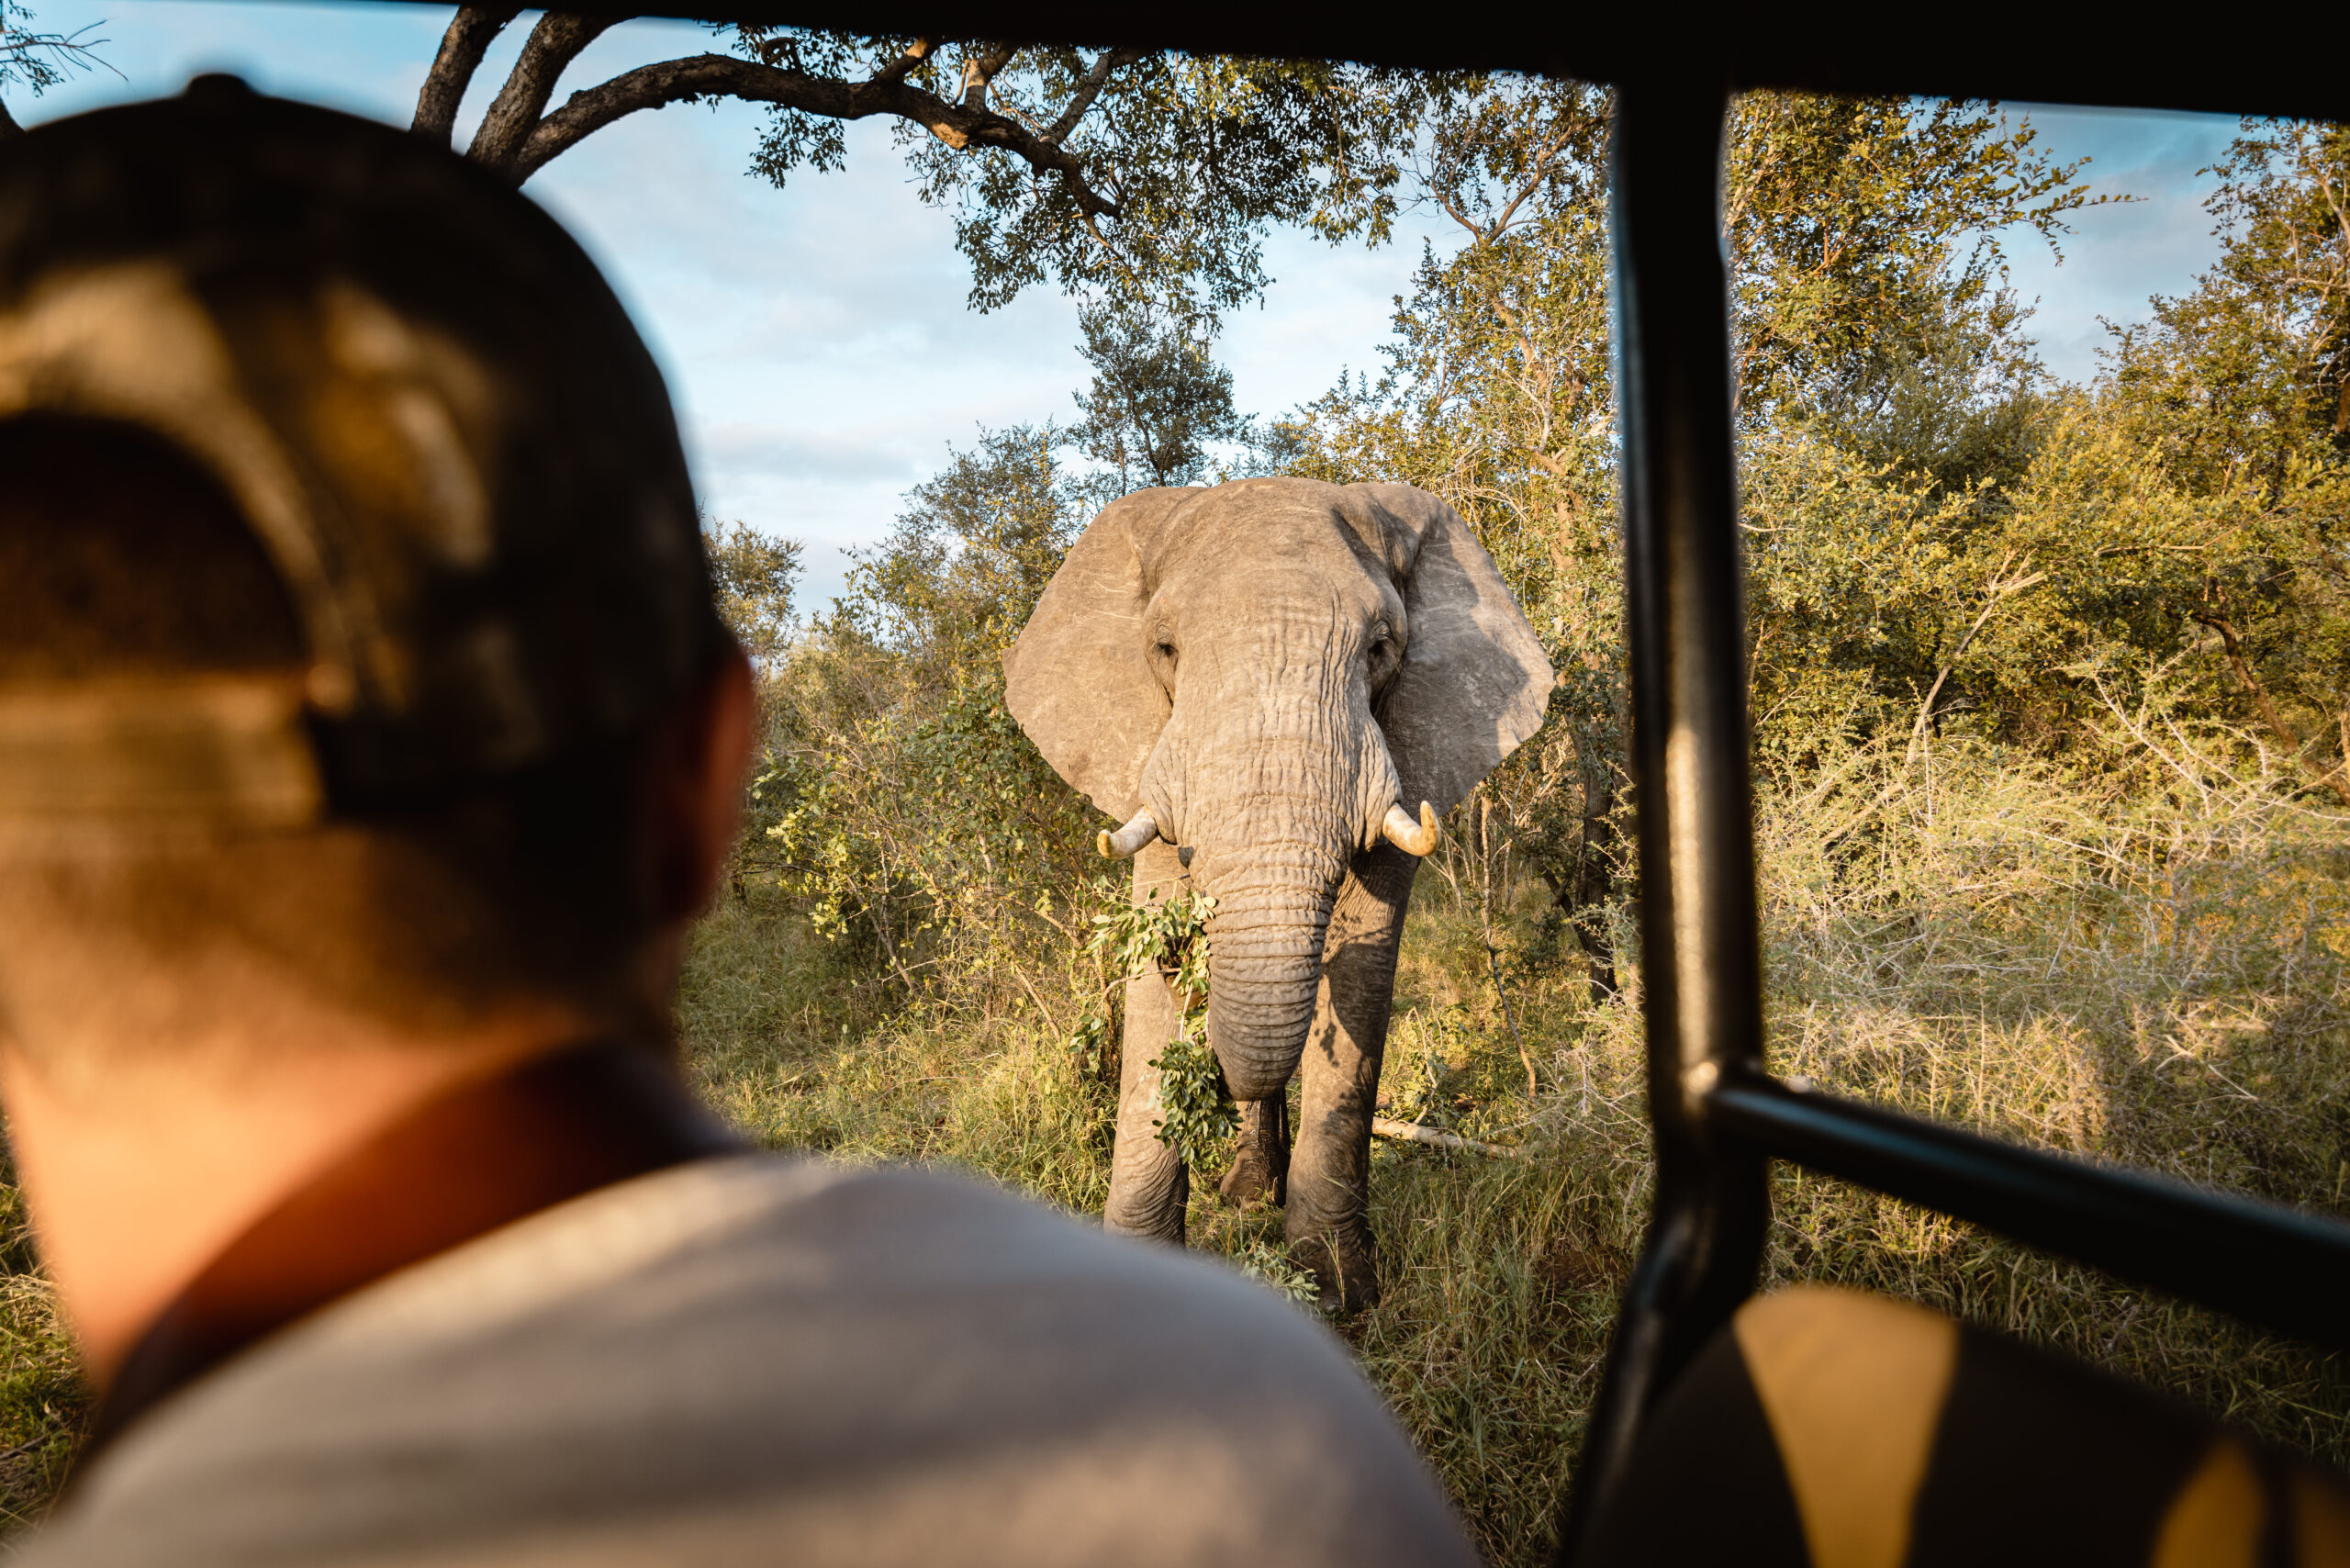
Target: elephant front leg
[[1148, 1186], [1329, 1224], [1260, 1165]]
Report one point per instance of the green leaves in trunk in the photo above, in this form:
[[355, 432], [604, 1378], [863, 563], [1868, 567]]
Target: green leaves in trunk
[[1196, 1116]]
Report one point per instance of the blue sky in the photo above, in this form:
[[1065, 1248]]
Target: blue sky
[[816, 340]]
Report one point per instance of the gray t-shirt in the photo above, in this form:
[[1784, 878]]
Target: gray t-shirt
[[759, 1361]]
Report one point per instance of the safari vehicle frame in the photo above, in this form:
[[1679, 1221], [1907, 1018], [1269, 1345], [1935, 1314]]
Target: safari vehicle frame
[[1718, 1116]]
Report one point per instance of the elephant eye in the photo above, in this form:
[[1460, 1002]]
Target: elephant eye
[[1165, 650]]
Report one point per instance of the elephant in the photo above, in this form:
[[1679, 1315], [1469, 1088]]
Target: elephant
[[1256, 679]]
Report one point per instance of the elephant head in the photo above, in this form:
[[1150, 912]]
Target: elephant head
[[1275, 674]]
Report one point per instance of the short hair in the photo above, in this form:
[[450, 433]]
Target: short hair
[[121, 556]]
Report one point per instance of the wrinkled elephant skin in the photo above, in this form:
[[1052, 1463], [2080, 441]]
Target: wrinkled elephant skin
[[1276, 673]]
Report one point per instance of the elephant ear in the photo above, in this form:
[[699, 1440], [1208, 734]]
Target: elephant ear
[[1475, 682], [1079, 680]]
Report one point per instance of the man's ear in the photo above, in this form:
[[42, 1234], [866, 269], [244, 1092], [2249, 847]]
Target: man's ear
[[694, 797], [1079, 680]]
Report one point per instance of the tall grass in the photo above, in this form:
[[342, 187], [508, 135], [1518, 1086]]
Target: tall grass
[[2138, 957]]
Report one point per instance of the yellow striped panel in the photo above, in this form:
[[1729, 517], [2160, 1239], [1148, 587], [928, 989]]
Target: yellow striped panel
[[1852, 1387]]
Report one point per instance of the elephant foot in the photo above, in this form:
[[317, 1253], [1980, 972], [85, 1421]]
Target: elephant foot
[[1260, 1170], [1252, 1179], [1344, 1266]]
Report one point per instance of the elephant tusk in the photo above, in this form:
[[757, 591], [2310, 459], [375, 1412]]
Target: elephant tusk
[[1129, 839], [1411, 837]]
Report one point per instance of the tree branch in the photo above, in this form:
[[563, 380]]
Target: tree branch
[[1087, 91], [2000, 593], [470, 33], [912, 55], [980, 72], [1412, 1132], [2233, 641], [719, 75], [513, 118]]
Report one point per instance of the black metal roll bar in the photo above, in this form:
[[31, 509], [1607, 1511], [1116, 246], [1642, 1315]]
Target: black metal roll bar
[[1700, 955], [1718, 1116]]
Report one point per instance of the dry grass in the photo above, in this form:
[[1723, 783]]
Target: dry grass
[[42, 1402]]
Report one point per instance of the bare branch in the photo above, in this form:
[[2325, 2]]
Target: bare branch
[[513, 117], [717, 75], [470, 33], [43, 60], [1087, 91]]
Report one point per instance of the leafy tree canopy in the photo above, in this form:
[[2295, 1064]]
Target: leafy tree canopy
[[752, 575], [1157, 400], [1114, 174]]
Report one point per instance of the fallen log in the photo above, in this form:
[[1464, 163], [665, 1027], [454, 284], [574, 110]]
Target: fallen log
[[1412, 1132]]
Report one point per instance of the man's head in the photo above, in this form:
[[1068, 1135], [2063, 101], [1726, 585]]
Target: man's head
[[355, 640]]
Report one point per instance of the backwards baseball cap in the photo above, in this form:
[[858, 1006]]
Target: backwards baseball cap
[[432, 412]]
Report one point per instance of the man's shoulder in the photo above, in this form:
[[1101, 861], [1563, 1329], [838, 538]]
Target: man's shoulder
[[877, 1363]]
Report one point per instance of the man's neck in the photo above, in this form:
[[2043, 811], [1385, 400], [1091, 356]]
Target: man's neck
[[476, 1157], [137, 1181]]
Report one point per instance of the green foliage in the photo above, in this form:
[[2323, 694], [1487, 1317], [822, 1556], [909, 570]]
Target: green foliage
[[2252, 368], [1865, 238], [1196, 1116], [1272, 1267], [2186, 514], [1092, 1043], [1886, 389], [1156, 401], [952, 588], [896, 799], [752, 575], [1939, 540], [1160, 936], [2213, 461], [1168, 936], [1174, 169]]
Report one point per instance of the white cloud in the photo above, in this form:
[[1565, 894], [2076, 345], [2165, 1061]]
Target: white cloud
[[2119, 255]]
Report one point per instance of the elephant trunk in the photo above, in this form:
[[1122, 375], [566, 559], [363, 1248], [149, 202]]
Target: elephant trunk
[[1275, 790], [1265, 967]]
